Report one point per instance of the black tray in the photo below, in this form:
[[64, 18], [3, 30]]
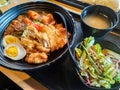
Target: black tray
[[62, 75]]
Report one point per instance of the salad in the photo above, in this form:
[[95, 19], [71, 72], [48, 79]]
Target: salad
[[98, 67]]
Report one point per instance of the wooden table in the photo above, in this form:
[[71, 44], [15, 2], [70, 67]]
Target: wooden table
[[21, 78]]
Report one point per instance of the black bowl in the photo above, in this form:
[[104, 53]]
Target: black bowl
[[12, 13], [100, 10], [105, 44]]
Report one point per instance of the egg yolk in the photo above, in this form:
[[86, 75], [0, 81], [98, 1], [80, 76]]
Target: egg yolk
[[12, 51], [10, 40]]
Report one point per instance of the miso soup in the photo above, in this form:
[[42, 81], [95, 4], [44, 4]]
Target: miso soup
[[97, 21]]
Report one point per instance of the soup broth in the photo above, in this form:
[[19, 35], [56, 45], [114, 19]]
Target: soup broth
[[97, 21]]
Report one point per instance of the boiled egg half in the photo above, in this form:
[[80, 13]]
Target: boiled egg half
[[14, 51], [8, 39]]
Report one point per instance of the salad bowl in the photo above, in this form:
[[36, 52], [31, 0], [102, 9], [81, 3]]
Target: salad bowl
[[97, 63]]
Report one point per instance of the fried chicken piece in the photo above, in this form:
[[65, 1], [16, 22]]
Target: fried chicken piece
[[31, 46], [48, 19], [33, 15], [36, 58], [57, 37]]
